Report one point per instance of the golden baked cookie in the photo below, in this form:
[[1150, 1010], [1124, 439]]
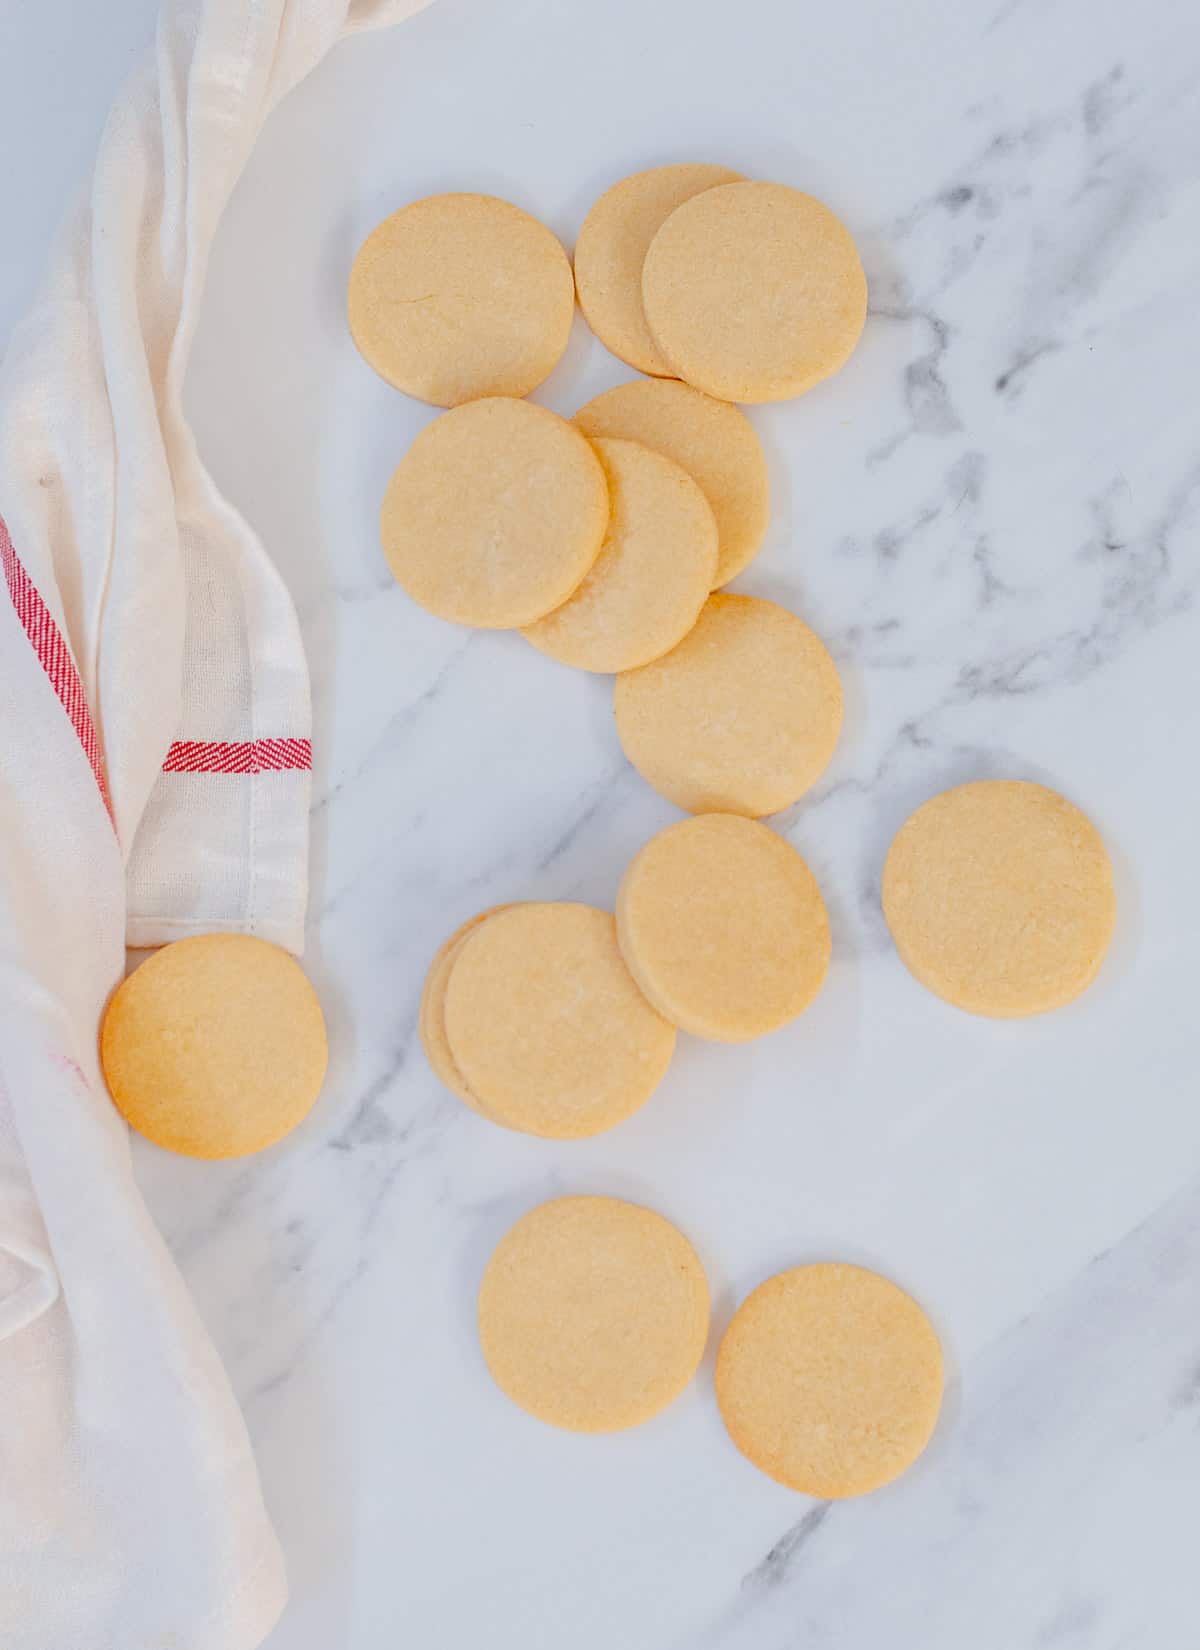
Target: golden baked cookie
[[495, 514], [754, 292], [742, 717], [593, 1313], [723, 926], [461, 296], [431, 1017], [546, 1025], [653, 574], [215, 1046], [714, 442], [829, 1380], [999, 896], [612, 247]]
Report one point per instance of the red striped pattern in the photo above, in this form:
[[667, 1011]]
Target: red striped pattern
[[54, 656], [246, 756], [186, 755]]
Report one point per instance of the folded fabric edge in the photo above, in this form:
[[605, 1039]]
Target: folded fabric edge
[[251, 1611], [25, 1300], [54, 655], [149, 933]]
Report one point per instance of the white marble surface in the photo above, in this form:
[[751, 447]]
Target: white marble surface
[[993, 516]]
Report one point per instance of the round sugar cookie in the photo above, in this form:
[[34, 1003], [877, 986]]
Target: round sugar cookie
[[593, 1313], [611, 250], [461, 296], [214, 1046], [742, 717], [999, 896], [723, 926], [653, 574], [546, 1025], [829, 1379], [495, 514], [431, 1016], [754, 292], [713, 441]]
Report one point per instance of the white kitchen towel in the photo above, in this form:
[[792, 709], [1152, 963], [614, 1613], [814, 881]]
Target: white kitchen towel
[[154, 759]]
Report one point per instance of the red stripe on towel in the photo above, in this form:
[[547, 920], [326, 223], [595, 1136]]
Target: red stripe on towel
[[245, 756], [54, 656]]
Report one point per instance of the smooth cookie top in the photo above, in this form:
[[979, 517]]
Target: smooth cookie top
[[829, 1379], [593, 1313], [215, 1046], [999, 895], [461, 296], [742, 717], [547, 1026], [495, 514], [754, 292], [723, 926]]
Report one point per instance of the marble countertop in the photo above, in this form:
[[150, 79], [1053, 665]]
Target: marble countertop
[[993, 518]]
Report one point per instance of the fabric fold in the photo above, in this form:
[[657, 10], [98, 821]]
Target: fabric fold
[[154, 766]]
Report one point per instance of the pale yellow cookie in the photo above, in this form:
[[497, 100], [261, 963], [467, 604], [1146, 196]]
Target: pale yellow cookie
[[652, 576], [723, 926], [214, 1046], [593, 1313], [546, 1025], [999, 896], [495, 514], [431, 1017], [461, 296], [612, 247], [754, 292], [714, 442], [742, 717], [829, 1380]]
